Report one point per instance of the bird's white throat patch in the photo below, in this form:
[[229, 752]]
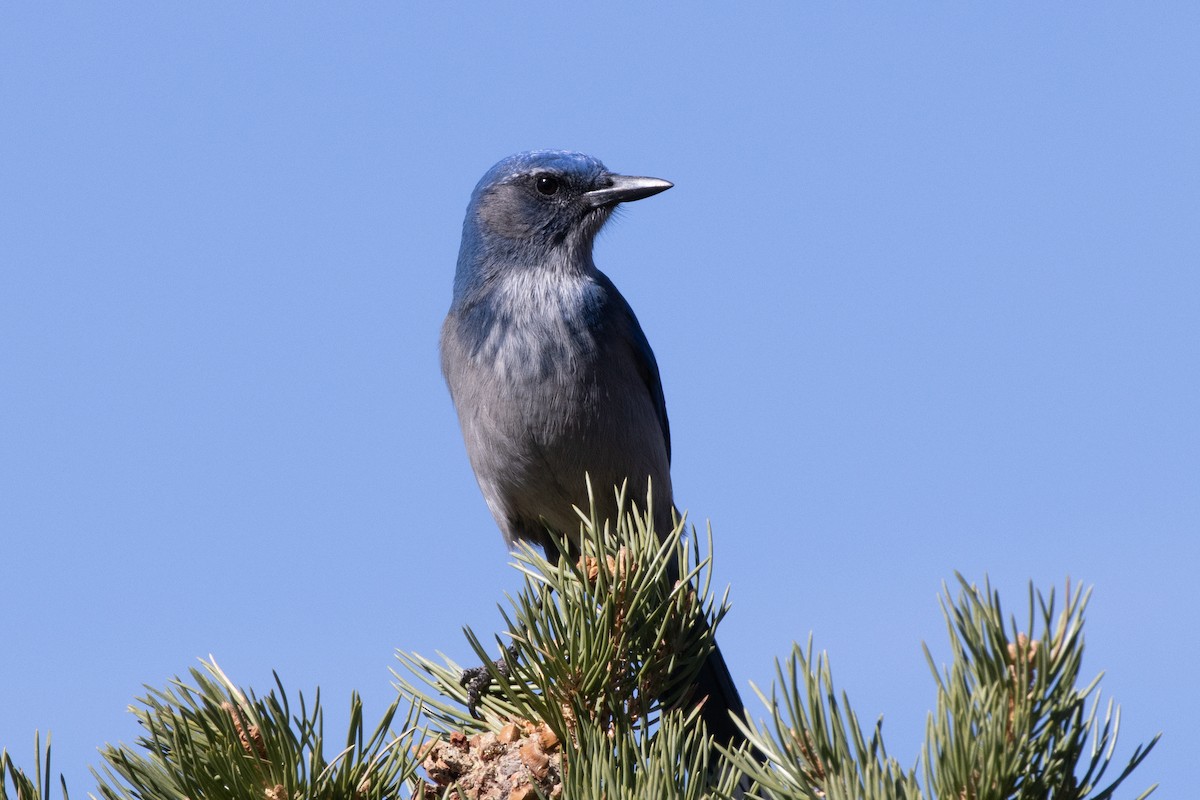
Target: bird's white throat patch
[[540, 319]]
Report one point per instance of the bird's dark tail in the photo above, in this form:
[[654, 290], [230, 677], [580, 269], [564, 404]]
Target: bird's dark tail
[[716, 689], [714, 684]]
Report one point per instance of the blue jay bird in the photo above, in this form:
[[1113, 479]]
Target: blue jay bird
[[547, 365]]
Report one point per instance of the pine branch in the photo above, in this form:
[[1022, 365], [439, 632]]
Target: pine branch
[[209, 739], [594, 701], [37, 787], [815, 747], [604, 649], [1011, 722]]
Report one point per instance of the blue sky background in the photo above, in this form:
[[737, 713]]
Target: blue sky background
[[925, 298]]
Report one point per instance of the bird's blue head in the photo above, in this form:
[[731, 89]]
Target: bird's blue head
[[541, 209]]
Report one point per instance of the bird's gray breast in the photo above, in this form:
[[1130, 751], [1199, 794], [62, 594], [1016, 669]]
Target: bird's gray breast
[[546, 390]]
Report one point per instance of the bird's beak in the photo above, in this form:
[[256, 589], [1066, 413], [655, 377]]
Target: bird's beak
[[624, 189]]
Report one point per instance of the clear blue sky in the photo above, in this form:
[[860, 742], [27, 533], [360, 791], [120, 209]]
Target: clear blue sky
[[925, 296]]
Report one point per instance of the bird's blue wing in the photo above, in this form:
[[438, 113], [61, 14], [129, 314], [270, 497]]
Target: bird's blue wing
[[648, 368], [647, 365]]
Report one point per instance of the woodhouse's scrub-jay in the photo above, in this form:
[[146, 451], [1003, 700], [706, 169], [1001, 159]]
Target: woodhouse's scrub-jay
[[550, 371]]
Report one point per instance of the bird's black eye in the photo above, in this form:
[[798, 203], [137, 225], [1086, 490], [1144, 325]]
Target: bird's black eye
[[547, 184]]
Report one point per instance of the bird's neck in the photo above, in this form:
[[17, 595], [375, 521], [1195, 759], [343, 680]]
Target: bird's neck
[[544, 292], [495, 270]]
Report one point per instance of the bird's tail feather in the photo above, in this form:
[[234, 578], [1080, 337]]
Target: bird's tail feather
[[715, 687], [714, 684]]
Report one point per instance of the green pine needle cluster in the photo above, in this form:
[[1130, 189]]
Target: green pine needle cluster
[[604, 636], [593, 698], [1011, 720], [604, 647]]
